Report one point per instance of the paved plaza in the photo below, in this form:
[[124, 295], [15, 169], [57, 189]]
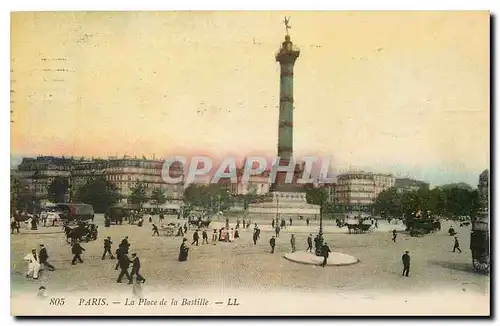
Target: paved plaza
[[242, 265]]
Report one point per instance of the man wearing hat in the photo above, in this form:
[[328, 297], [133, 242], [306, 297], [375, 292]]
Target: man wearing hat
[[77, 250], [107, 248], [406, 263], [136, 266], [272, 242], [325, 252], [44, 256], [456, 245]]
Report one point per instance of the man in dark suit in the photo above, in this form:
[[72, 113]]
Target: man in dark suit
[[124, 265], [196, 237], [406, 263], [309, 243], [107, 248], [456, 245], [204, 236], [119, 252], [272, 242], [136, 266], [325, 250], [155, 230], [44, 256], [77, 250]]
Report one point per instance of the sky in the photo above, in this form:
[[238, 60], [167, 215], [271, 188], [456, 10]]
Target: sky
[[400, 92]]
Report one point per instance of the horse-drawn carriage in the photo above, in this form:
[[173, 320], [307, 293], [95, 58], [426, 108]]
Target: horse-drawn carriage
[[82, 232], [419, 226], [199, 220], [358, 225], [167, 230]]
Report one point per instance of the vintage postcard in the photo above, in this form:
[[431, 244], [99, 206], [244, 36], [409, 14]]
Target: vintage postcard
[[250, 163]]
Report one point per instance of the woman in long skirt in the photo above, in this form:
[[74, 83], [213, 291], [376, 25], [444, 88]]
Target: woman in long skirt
[[183, 251]]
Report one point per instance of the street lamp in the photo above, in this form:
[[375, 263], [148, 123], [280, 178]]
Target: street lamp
[[319, 243], [277, 208]]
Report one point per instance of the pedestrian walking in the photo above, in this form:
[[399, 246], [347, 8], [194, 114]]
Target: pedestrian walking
[[214, 237], [272, 242], [255, 237], [272, 224], [196, 238], [394, 235], [204, 236], [292, 242], [44, 256], [136, 266], [125, 245], [277, 230], [14, 225], [155, 230], [307, 221], [124, 262], [456, 245], [183, 250], [119, 252], [185, 228], [325, 250], [406, 263], [77, 250], [290, 221], [309, 243], [107, 248]]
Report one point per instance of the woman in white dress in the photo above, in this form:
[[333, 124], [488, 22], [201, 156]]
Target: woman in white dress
[[33, 264]]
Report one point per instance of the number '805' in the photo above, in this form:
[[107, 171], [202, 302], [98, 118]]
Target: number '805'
[[56, 301]]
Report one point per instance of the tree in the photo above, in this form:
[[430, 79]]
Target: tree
[[99, 193], [158, 196], [58, 189], [21, 196], [250, 196], [207, 197], [316, 196], [388, 203], [138, 194]]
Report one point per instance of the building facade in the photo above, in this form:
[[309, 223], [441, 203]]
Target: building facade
[[356, 191], [38, 173], [125, 173], [382, 182], [258, 184], [407, 184]]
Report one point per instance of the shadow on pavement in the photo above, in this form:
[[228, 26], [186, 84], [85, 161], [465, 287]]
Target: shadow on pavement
[[462, 267]]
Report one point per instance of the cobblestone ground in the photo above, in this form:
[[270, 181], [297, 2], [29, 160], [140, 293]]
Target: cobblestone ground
[[243, 265]]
